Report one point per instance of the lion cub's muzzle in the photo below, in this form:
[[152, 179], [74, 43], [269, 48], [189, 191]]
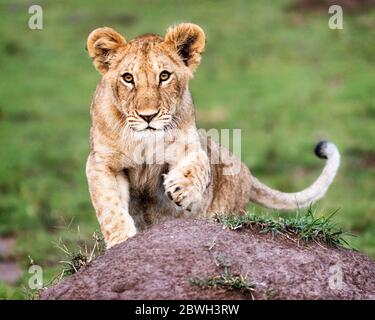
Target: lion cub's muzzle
[[149, 120], [147, 117]]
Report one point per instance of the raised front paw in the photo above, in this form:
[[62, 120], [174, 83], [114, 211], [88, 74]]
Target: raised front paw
[[182, 189]]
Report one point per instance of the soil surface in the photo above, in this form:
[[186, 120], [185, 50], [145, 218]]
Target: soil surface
[[160, 262]]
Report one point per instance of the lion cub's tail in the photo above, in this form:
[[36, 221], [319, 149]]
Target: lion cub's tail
[[274, 199]]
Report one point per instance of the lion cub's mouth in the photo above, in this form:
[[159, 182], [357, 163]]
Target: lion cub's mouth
[[150, 128]]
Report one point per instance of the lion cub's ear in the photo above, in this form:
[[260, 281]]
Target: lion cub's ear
[[188, 40], [103, 45]]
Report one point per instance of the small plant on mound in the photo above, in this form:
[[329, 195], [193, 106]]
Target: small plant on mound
[[226, 280], [77, 256], [301, 228], [81, 255]]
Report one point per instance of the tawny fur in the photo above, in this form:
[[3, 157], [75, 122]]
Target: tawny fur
[[134, 114]]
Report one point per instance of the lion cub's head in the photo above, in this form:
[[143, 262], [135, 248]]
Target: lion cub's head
[[149, 74]]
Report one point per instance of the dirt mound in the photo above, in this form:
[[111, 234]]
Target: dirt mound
[[195, 259]]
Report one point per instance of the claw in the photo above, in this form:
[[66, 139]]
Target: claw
[[169, 194]]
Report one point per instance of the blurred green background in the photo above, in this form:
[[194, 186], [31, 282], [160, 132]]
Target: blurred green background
[[278, 73]]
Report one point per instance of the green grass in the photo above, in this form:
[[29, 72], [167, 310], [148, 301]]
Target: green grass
[[282, 77], [302, 228]]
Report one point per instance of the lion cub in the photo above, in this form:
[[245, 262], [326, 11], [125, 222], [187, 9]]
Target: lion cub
[[147, 160]]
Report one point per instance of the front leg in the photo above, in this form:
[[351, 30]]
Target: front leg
[[187, 180], [109, 192]]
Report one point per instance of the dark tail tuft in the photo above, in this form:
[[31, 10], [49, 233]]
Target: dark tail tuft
[[320, 149]]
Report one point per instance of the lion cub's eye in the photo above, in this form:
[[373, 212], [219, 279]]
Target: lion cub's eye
[[164, 76], [127, 77]]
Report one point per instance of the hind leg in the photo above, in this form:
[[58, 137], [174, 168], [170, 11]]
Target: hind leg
[[231, 192]]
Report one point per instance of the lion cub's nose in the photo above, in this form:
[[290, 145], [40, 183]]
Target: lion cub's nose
[[148, 117]]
